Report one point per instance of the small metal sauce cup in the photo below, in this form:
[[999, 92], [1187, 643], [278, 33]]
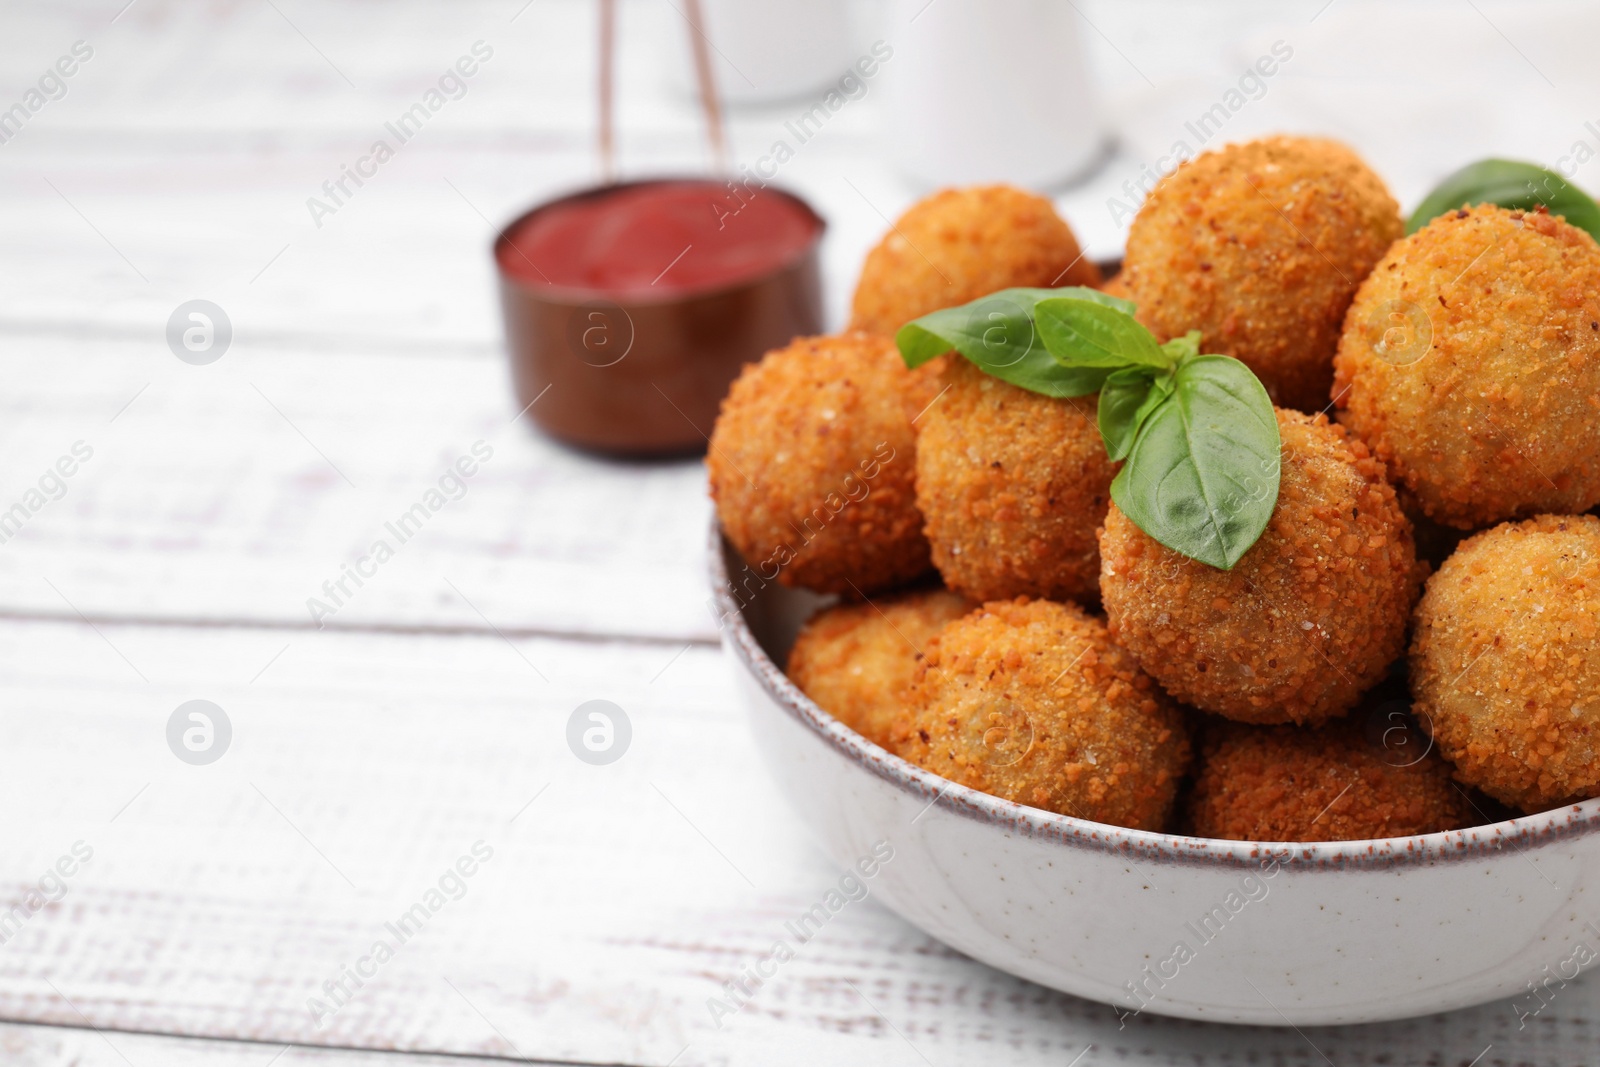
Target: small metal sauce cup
[[644, 375]]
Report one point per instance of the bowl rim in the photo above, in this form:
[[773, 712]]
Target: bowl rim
[[1518, 835]]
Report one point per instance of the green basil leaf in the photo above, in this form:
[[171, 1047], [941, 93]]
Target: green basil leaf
[[1084, 333], [1126, 400], [1040, 373], [1181, 348], [1512, 185], [1077, 292], [1202, 476], [921, 340], [996, 333]]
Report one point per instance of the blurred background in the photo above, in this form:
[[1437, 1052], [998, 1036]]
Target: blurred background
[[370, 747]]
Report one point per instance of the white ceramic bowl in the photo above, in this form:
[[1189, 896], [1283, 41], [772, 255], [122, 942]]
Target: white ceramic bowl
[[1271, 933]]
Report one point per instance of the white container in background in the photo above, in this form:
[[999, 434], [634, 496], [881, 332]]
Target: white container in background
[[770, 50], [989, 91]]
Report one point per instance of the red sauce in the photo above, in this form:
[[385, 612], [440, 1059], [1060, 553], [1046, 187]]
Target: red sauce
[[664, 237]]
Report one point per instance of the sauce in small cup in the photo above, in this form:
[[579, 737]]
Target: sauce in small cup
[[630, 308]]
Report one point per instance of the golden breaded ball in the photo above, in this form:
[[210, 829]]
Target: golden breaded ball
[[1033, 702], [1260, 246], [1505, 663], [1306, 622], [857, 660], [1117, 287], [1335, 782], [812, 464], [960, 244], [1470, 363], [1014, 486]]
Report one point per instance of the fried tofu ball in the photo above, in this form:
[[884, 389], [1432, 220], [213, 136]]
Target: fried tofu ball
[[1014, 486], [1505, 662], [1306, 622], [1260, 246], [1343, 781], [1033, 702], [812, 464], [857, 660], [960, 244], [1470, 364]]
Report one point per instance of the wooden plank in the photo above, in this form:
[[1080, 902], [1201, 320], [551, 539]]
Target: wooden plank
[[617, 900], [219, 899], [234, 491], [27, 1045], [108, 243]]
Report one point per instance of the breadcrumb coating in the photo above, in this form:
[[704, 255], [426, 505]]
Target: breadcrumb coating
[[1261, 246], [857, 660], [1014, 486], [959, 244], [1335, 782], [1306, 622], [1505, 661], [812, 466], [1033, 702], [1470, 363]]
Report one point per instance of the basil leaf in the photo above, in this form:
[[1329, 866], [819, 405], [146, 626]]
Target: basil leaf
[[1077, 292], [1126, 400], [923, 339], [996, 334], [1083, 333], [1041, 373], [1202, 476], [1512, 185], [1182, 348]]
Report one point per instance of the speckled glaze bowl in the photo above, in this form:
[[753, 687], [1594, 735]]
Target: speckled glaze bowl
[[1264, 933]]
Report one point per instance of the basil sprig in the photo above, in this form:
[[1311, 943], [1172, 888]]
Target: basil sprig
[[1197, 432], [1513, 185]]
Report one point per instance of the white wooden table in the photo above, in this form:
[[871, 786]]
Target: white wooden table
[[426, 717]]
